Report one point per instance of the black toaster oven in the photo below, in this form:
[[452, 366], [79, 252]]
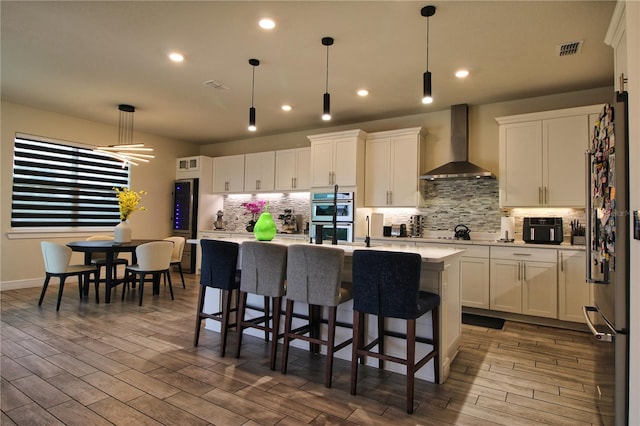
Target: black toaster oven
[[542, 230]]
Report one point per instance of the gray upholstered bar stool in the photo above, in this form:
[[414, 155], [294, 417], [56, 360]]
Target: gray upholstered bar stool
[[264, 269], [219, 270], [314, 277], [387, 284]]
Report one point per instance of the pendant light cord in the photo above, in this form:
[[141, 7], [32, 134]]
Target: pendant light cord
[[427, 43], [253, 81], [326, 88]]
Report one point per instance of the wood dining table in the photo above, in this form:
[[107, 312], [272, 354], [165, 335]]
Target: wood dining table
[[110, 249]]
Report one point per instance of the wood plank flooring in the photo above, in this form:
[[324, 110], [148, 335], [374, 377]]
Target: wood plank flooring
[[98, 364]]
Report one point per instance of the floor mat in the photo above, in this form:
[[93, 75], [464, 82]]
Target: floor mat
[[482, 321]]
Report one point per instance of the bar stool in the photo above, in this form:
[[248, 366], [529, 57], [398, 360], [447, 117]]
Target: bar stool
[[264, 269], [387, 284], [314, 277], [219, 270]]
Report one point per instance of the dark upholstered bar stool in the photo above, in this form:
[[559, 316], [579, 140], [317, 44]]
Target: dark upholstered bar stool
[[218, 270], [314, 277], [264, 269], [387, 284]]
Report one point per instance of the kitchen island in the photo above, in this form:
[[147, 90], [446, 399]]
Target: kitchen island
[[440, 275]]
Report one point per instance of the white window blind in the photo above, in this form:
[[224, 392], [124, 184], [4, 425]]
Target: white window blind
[[57, 184]]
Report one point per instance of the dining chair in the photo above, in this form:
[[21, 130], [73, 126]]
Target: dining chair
[[387, 284], [219, 270], [176, 255], [56, 264], [314, 277], [264, 269], [153, 259], [100, 259]]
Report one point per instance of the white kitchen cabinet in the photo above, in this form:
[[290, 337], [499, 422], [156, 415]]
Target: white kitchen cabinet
[[542, 158], [616, 37], [474, 276], [573, 290], [259, 171], [337, 158], [524, 281], [228, 174], [292, 169], [393, 161], [188, 167]]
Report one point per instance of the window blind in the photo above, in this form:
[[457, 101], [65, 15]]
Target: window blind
[[57, 184]]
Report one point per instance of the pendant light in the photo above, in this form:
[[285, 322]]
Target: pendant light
[[427, 12], [326, 101], [252, 111], [127, 151]]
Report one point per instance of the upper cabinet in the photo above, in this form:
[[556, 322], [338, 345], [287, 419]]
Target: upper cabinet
[[228, 174], [188, 167], [292, 169], [259, 171], [337, 158], [542, 160], [392, 167], [616, 37]]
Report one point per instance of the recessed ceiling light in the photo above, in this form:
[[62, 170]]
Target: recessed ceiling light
[[267, 23], [176, 57], [462, 73], [363, 92], [286, 107]]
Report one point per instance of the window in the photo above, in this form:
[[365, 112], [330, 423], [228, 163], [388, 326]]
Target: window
[[58, 184]]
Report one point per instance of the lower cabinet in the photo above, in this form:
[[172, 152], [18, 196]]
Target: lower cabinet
[[524, 281], [474, 276], [573, 290]]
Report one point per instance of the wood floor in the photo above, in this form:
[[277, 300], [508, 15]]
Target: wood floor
[[124, 364]]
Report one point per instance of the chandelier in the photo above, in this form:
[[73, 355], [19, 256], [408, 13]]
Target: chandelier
[[127, 151]]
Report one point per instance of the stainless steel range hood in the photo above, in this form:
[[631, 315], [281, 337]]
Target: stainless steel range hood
[[459, 167]]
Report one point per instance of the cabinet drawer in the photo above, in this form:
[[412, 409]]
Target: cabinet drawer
[[525, 254]]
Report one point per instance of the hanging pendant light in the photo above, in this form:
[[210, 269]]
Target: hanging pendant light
[[427, 12], [252, 111], [326, 100], [127, 151]]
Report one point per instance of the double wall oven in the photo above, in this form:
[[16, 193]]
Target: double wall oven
[[323, 206]]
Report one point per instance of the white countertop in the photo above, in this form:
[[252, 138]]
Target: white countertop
[[431, 254]]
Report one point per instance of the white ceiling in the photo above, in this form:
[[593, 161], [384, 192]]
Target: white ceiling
[[83, 58]]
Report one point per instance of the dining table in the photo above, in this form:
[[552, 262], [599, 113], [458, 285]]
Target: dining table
[[110, 249]]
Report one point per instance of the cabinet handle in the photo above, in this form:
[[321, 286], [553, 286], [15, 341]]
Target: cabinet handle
[[226, 186], [546, 195], [539, 195], [561, 262], [295, 182], [390, 197], [519, 267], [333, 178], [293, 185]]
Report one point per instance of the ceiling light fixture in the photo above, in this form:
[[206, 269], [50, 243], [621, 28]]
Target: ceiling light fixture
[[363, 92], [326, 104], [176, 56], [127, 151], [462, 73], [427, 12], [252, 111], [267, 23], [286, 107]]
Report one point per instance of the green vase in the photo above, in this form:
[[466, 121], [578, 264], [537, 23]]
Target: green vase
[[265, 228]]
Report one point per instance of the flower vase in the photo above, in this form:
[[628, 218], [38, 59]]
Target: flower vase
[[250, 225], [265, 228], [122, 232]]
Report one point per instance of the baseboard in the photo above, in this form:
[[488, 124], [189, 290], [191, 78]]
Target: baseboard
[[549, 322], [18, 284]]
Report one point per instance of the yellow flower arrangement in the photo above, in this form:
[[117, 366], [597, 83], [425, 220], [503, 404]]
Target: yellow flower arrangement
[[128, 201]]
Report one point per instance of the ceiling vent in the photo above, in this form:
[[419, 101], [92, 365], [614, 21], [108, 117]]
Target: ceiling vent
[[216, 85], [571, 48]]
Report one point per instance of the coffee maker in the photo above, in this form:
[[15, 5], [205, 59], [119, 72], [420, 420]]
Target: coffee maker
[[291, 222]]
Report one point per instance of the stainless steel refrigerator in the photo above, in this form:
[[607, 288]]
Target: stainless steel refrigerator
[[608, 235], [185, 219]]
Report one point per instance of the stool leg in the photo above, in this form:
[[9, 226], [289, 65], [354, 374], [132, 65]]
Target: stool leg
[[380, 341], [196, 335], [242, 308], [411, 362], [435, 320], [287, 329], [275, 328], [358, 343], [226, 308], [331, 338], [266, 317]]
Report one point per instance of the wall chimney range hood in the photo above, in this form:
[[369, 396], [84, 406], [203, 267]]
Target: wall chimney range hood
[[459, 167]]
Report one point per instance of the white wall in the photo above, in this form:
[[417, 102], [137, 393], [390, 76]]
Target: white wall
[[20, 259]]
